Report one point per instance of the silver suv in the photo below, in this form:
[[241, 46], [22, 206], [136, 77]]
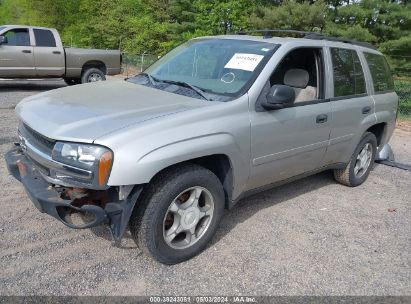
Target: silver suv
[[216, 119]]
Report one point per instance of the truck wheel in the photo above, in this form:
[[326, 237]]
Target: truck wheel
[[72, 81], [92, 75], [360, 164], [178, 213]]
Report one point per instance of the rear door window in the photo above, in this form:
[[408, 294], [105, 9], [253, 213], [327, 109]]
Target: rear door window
[[44, 38], [348, 73], [380, 72], [17, 37]]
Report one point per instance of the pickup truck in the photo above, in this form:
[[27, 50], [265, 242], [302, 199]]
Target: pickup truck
[[37, 52]]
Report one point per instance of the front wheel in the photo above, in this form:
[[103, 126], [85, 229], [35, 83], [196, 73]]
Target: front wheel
[[178, 214], [361, 163]]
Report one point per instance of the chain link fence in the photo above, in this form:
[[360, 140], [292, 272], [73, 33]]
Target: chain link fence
[[403, 89], [134, 64]]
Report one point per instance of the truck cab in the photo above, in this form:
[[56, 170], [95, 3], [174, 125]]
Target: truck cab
[[38, 52], [31, 52]]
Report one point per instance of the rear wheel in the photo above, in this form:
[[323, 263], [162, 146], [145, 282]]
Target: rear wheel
[[178, 214], [361, 163], [92, 75]]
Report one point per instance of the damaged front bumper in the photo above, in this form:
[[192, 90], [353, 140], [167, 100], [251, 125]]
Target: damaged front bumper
[[98, 207]]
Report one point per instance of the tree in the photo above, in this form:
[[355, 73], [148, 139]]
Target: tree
[[156, 26], [371, 20], [289, 16], [221, 16]]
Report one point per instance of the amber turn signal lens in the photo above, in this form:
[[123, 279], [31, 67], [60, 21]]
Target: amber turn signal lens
[[104, 167]]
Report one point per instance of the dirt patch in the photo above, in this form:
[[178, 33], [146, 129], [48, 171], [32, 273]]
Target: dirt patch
[[404, 125]]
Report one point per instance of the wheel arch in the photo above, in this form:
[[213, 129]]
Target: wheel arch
[[219, 164], [94, 64], [379, 131]]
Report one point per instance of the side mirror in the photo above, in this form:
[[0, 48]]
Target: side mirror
[[3, 40], [279, 97]]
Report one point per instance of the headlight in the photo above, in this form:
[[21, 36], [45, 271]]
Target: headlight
[[94, 158]]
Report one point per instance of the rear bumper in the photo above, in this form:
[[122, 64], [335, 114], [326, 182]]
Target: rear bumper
[[49, 199]]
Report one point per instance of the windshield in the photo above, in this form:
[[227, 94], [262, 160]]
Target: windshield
[[215, 66]]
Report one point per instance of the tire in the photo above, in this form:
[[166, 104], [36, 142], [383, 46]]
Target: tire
[[348, 176], [72, 81], [153, 218], [92, 75]]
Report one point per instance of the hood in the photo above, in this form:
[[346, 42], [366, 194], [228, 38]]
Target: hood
[[85, 112]]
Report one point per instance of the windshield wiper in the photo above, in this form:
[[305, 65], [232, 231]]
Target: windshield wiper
[[187, 85], [152, 79]]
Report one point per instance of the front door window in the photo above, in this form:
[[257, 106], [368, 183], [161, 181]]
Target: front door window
[[17, 37]]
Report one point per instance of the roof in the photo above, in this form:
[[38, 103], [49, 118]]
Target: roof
[[275, 40], [267, 33], [304, 37], [29, 26]]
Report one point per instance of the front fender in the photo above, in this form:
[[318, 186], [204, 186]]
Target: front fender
[[149, 164]]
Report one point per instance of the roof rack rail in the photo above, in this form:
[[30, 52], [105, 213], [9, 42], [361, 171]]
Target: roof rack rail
[[267, 33], [318, 36]]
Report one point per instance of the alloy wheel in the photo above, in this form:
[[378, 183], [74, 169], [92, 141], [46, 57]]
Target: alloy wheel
[[188, 217], [363, 160], [93, 77]]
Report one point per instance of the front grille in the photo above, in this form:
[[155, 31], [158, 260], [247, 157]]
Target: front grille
[[39, 140]]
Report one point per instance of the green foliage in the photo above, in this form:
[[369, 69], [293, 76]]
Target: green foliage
[[221, 17], [403, 89], [155, 26], [101, 24], [356, 32], [370, 20], [9, 11], [399, 52], [291, 15]]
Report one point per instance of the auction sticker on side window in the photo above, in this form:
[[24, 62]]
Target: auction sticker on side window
[[247, 62]]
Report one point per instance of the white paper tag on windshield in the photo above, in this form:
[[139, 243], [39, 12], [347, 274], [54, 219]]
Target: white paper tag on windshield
[[247, 62]]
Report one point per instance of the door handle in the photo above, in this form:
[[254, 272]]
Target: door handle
[[56, 52], [366, 110], [322, 118], [26, 51]]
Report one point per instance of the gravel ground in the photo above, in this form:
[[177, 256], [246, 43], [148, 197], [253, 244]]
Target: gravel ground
[[310, 237]]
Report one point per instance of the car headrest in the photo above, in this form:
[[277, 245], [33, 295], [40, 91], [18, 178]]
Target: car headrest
[[296, 78]]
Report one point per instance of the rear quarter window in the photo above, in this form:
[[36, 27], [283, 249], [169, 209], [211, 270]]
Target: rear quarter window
[[348, 73], [380, 72]]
